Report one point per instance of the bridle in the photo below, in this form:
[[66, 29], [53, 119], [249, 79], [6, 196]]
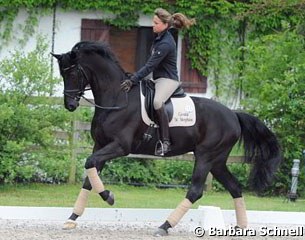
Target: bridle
[[81, 76], [80, 91]]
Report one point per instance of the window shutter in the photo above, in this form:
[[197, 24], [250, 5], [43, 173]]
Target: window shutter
[[192, 80], [144, 41], [94, 30]]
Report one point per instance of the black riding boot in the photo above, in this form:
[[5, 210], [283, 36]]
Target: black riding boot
[[164, 132]]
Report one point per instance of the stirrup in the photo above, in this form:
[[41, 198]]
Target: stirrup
[[159, 146], [161, 151]]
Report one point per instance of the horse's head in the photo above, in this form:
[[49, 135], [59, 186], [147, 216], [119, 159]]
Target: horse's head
[[74, 76], [90, 63]]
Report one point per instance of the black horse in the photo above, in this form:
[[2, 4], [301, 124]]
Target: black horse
[[117, 130]]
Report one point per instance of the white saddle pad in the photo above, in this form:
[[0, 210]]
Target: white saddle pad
[[184, 113]]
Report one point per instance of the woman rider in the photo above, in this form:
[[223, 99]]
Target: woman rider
[[163, 66]]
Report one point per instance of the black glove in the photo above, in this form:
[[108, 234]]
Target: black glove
[[127, 84]]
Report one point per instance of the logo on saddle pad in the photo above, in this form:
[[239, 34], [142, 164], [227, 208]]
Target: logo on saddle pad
[[181, 112]]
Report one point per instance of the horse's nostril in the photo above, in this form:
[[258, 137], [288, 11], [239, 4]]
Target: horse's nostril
[[71, 107]]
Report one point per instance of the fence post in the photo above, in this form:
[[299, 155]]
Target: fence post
[[295, 170], [74, 137], [209, 182]]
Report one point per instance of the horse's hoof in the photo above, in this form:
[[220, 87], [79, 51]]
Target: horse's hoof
[[70, 224], [240, 227], [110, 199], [160, 233]]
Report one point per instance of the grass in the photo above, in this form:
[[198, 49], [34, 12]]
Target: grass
[[43, 195]]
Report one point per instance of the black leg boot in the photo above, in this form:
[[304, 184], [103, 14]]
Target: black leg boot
[[164, 132]]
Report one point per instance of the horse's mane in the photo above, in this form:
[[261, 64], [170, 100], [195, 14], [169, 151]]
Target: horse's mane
[[100, 48]]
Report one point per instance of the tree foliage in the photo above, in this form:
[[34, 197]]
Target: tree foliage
[[27, 120], [275, 90]]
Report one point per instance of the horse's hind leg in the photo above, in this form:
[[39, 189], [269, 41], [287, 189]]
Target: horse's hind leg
[[222, 174], [200, 172]]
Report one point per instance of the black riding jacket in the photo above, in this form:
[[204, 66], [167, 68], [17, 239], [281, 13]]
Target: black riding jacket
[[163, 60]]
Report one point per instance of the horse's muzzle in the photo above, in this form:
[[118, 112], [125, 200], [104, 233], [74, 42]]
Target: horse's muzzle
[[71, 105]]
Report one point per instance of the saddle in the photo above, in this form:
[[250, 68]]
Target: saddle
[[148, 90]]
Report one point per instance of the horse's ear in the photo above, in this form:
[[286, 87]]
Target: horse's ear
[[57, 56]]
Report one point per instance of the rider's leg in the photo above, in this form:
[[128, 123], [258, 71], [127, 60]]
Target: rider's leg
[[164, 131], [164, 89]]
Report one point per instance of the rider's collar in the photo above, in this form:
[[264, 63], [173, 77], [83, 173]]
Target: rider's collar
[[161, 34]]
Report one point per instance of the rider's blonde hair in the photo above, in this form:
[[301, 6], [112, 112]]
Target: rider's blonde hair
[[176, 20]]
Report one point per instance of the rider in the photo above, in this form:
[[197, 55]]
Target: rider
[[163, 66]]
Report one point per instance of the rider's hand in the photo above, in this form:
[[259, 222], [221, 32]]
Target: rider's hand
[[127, 84]]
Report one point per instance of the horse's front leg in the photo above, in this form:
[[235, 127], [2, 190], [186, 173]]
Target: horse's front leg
[[94, 164], [80, 203]]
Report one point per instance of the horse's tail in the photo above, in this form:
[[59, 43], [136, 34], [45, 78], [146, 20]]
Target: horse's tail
[[262, 150]]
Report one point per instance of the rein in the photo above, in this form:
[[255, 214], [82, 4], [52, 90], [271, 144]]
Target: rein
[[81, 90], [107, 108]]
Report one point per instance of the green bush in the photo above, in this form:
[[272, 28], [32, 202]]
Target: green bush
[[274, 87], [27, 123], [129, 170], [145, 171], [175, 171]]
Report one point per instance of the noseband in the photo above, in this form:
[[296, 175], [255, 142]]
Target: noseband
[[81, 78]]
